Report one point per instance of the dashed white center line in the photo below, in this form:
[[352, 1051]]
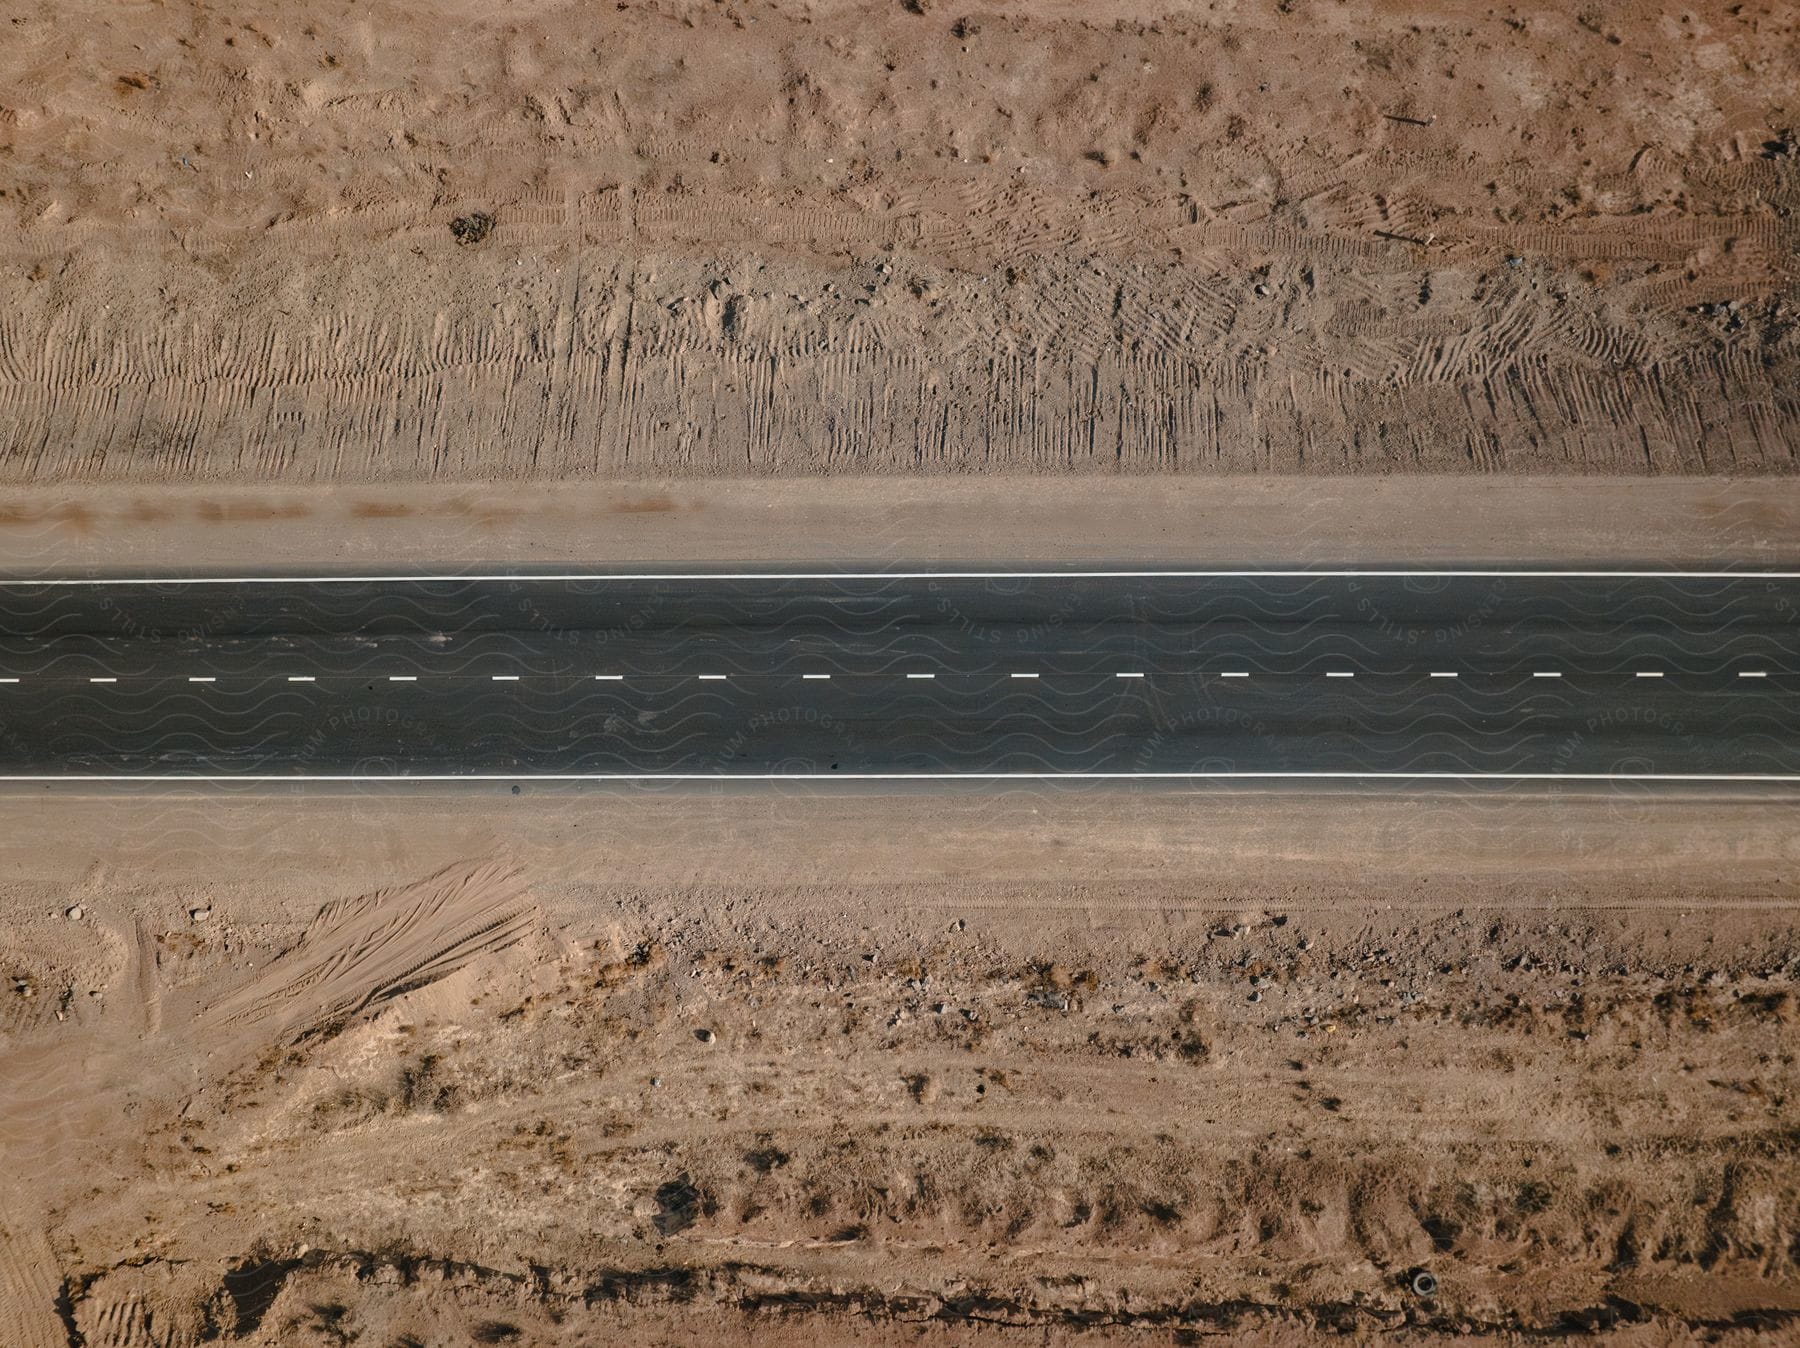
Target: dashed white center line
[[9, 680], [1121, 674]]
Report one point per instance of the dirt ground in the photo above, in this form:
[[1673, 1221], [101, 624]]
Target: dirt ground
[[1029, 1066], [378, 241], [339, 284], [880, 522]]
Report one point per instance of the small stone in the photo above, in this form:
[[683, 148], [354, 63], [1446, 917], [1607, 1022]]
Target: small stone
[[74, 914], [1254, 997], [199, 914], [704, 1036]]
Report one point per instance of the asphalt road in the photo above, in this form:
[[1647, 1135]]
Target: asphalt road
[[1246, 674]]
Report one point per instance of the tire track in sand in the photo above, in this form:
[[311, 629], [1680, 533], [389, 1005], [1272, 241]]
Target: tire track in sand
[[58, 1101]]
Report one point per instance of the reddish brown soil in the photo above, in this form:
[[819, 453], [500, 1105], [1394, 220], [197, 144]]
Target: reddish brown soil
[[896, 236], [1167, 1066]]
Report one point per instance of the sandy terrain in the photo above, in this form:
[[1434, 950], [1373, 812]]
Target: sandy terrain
[[678, 1067], [384, 241], [337, 284]]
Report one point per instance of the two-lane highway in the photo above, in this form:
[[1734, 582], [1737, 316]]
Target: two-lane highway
[[1369, 673]]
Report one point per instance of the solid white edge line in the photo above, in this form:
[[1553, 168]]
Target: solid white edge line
[[1141, 574], [915, 777]]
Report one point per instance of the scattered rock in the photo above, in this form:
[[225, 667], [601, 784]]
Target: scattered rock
[[74, 914], [704, 1036], [199, 914], [677, 1205], [472, 228]]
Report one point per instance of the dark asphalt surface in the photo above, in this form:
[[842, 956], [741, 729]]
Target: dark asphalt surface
[[1144, 674]]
